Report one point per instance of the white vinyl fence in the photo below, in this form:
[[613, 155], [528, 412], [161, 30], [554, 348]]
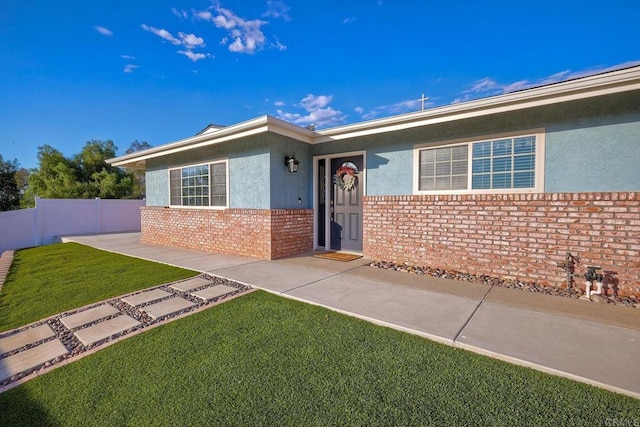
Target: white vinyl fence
[[52, 218]]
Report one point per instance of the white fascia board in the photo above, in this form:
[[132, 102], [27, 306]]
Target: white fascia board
[[241, 130], [292, 131], [587, 87]]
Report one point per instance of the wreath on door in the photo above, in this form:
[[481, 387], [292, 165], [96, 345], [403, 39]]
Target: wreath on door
[[346, 176]]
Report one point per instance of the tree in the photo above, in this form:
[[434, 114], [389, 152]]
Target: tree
[[139, 180], [138, 146], [84, 176], [92, 158], [9, 190], [56, 178], [22, 180]]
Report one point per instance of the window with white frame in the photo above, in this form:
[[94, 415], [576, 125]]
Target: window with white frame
[[199, 185], [488, 165]]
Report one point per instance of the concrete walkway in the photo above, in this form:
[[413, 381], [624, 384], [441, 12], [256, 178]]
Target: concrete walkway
[[590, 342]]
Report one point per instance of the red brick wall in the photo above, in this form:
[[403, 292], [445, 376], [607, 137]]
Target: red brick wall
[[520, 236], [257, 233]]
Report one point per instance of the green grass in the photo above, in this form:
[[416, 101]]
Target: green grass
[[51, 279], [265, 360]]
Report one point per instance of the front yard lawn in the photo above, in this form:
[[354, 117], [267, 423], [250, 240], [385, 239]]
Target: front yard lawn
[[265, 360], [52, 279]]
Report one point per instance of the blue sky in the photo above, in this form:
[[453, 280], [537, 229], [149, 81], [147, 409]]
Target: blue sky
[[158, 71]]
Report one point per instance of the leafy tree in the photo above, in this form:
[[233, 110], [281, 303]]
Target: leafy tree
[[9, 190], [84, 176], [92, 158], [138, 146], [56, 178], [139, 180], [113, 185], [22, 180]]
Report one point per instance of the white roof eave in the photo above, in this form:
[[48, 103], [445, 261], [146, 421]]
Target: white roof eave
[[252, 127]]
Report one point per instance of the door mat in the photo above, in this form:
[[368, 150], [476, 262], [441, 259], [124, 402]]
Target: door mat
[[337, 256]]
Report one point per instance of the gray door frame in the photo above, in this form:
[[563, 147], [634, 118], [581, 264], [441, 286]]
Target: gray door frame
[[362, 182]]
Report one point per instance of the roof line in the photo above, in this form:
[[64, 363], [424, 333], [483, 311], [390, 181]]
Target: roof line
[[609, 82], [583, 87]]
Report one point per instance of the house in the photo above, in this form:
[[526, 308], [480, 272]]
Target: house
[[505, 186]]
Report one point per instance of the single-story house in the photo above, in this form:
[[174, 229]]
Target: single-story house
[[505, 186]]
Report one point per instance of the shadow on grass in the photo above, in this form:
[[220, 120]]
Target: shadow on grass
[[19, 408]]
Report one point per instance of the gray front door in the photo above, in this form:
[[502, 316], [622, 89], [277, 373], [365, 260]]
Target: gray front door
[[346, 204]]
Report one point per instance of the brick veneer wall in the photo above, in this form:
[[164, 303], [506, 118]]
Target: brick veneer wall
[[521, 236], [257, 233]]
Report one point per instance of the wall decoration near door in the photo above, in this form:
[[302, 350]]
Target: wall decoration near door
[[346, 204], [346, 176]]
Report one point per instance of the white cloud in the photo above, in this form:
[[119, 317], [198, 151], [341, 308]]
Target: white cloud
[[127, 57], [246, 34], [205, 15], [350, 20], [279, 104], [162, 33], [312, 102], [319, 113], [188, 41], [279, 46], [277, 9], [191, 41], [406, 106], [130, 68], [104, 31], [182, 14], [489, 87], [195, 57]]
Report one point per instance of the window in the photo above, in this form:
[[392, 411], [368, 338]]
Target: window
[[498, 164], [444, 168], [199, 185]]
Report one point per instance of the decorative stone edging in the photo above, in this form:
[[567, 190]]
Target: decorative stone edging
[[528, 286]]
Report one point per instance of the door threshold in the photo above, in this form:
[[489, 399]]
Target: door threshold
[[333, 251]]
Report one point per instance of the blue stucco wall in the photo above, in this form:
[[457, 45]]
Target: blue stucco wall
[[258, 178], [290, 190], [593, 156], [157, 187], [248, 172]]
